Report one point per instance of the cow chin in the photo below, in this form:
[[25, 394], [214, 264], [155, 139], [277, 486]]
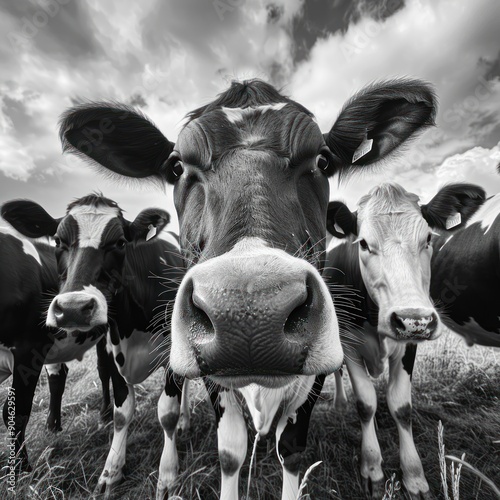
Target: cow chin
[[254, 315], [269, 381]]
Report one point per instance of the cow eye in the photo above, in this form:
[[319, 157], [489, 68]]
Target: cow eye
[[177, 169], [57, 242], [429, 238], [364, 245], [322, 162], [121, 243]]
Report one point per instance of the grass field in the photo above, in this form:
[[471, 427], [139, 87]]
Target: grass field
[[452, 383]]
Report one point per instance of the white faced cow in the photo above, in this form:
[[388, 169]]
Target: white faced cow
[[386, 256], [110, 275], [251, 173]]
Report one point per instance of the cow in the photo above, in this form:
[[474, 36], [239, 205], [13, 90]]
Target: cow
[[111, 277], [465, 280], [381, 277], [28, 280], [250, 170]]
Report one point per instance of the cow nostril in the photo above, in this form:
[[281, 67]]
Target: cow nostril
[[295, 325], [202, 329], [397, 322], [89, 306], [58, 312]]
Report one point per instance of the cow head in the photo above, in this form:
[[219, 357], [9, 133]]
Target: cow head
[[91, 241], [251, 191], [393, 237]]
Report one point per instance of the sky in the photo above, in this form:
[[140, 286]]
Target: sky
[[167, 57]]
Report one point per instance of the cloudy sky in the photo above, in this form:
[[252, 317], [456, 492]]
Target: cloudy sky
[[169, 56]]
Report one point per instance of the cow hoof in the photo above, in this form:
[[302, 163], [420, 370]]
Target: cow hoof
[[374, 489], [106, 489], [183, 425], [421, 495]]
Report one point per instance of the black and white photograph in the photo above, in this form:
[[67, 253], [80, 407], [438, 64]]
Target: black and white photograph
[[250, 249]]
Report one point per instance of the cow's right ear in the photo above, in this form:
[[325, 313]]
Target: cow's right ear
[[453, 206], [29, 218], [340, 221], [119, 138]]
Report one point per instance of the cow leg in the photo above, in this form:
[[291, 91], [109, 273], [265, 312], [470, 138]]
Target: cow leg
[[168, 415], [232, 439], [366, 402], [124, 406], [185, 416], [291, 437], [56, 374], [17, 407], [340, 402], [104, 369], [399, 402]]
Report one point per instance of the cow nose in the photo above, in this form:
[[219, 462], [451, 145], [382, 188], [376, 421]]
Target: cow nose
[[75, 312], [409, 324], [260, 330]]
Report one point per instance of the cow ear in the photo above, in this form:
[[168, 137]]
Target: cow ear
[[453, 206], [116, 137], [29, 218], [340, 221], [377, 121], [148, 224]]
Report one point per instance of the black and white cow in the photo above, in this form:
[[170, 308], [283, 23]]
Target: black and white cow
[[251, 173], [383, 268], [110, 275], [28, 280], [465, 280]]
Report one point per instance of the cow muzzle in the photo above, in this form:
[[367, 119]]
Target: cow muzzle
[[78, 310], [250, 316], [414, 324]]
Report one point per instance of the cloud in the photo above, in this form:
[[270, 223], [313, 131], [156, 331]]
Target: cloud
[[451, 44], [477, 166]]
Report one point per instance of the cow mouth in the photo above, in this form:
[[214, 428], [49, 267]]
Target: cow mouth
[[239, 381], [81, 332]]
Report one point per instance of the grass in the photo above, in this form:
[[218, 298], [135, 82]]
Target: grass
[[452, 384]]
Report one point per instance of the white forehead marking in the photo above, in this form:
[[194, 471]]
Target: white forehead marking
[[487, 213], [91, 223], [239, 114], [28, 247]]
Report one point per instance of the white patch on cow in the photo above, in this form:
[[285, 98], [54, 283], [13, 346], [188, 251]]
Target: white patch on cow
[[264, 402], [143, 352], [447, 239], [100, 316], [53, 368], [6, 363], [91, 223], [487, 213], [28, 247], [473, 333], [66, 349], [239, 114]]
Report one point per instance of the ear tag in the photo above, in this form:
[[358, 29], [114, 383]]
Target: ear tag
[[151, 232], [338, 228], [453, 220], [364, 148]]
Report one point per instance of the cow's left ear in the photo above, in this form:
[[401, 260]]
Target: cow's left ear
[[340, 221], [148, 224], [377, 121], [453, 206], [29, 218]]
